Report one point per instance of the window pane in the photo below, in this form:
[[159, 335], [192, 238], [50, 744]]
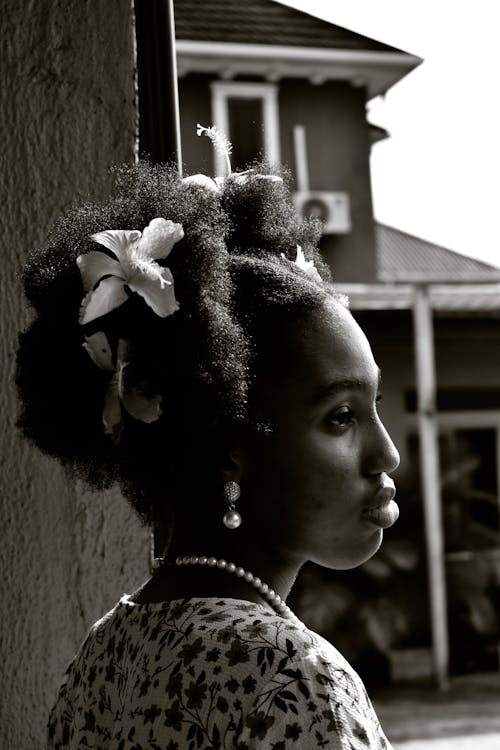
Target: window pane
[[246, 130]]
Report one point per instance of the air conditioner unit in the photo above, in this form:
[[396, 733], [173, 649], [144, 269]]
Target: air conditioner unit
[[332, 208]]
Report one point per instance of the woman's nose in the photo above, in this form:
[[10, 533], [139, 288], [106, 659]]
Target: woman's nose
[[382, 455]]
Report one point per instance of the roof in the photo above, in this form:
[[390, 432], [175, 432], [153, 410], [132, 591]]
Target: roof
[[263, 22], [402, 257], [266, 38], [457, 284]]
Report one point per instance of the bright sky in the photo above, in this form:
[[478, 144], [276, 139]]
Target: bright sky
[[438, 175]]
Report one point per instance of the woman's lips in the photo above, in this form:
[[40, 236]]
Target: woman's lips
[[383, 511]]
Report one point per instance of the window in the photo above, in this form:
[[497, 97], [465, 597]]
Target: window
[[248, 114]]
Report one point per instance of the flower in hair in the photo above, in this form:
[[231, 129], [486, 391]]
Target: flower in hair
[[125, 391], [305, 265], [133, 266], [215, 184], [223, 147], [220, 142]]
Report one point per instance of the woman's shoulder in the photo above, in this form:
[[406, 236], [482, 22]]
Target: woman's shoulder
[[245, 672], [236, 640], [231, 626], [226, 636]]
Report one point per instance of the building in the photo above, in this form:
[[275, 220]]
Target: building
[[285, 85]]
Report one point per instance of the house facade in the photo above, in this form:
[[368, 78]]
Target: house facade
[[288, 87]]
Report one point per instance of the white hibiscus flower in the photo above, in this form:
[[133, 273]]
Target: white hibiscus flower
[[134, 266], [123, 391]]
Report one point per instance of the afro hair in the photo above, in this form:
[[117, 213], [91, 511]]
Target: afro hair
[[233, 273]]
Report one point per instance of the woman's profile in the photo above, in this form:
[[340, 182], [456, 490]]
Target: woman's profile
[[188, 344]]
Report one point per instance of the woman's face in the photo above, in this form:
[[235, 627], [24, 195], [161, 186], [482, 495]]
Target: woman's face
[[317, 487]]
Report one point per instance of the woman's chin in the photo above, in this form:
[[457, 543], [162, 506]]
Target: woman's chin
[[353, 554]]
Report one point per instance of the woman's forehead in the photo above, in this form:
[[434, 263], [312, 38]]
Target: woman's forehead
[[326, 352], [331, 337]]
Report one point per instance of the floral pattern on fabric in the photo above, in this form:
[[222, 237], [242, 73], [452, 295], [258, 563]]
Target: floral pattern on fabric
[[207, 674]]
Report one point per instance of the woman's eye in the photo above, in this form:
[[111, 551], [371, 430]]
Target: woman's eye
[[342, 416]]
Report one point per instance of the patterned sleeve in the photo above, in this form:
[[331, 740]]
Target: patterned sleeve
[[312, 704], [61, 719], [61, 723]]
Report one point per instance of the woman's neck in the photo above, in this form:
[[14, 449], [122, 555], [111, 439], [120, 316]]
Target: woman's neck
[[178, 582]]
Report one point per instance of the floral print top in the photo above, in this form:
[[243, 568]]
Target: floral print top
[[209, 673]]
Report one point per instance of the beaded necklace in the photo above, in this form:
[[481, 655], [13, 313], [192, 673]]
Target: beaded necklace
[[263, 589]]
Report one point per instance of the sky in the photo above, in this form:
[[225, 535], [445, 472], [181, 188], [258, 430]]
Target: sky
[[438, 175]]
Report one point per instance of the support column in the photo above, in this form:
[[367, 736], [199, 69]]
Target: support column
[[159, 122], [430, 479], [300, 154]]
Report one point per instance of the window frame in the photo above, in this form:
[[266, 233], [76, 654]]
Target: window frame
[[268, 92], [463, 420]]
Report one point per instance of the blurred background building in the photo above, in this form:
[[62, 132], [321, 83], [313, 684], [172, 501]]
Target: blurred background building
[[291, 88]]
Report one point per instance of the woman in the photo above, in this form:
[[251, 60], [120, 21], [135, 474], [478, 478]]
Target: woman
[[188, 345]]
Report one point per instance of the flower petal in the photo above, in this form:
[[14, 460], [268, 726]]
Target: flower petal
[[243, 177], [202, 181], [158, 238], [94, 265], [134, 399], [109, 294], [140, 407], [157, 292], [307, 265], [300, 258], [118, 241], [122, 352], [112, 417], [98, 348]]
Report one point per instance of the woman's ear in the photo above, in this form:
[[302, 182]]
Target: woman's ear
[[233, 458], [232, 466]]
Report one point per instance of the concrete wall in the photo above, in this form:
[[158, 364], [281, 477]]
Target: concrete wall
[[67, 112]]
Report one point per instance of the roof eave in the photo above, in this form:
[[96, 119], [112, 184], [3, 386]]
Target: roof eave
[[439, 277], [453, 297], [376, 71]]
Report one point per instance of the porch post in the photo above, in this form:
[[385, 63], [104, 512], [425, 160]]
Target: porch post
[[430, 478], [159, 121]]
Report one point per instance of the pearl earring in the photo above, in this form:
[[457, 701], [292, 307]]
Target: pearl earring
[[232, 518]]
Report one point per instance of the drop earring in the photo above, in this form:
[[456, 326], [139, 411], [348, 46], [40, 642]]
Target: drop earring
[[231, 518]]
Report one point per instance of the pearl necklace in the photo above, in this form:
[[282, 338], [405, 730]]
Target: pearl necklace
[[263, 589]]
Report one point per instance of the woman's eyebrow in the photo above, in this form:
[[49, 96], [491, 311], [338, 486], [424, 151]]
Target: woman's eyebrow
[[346, 384]]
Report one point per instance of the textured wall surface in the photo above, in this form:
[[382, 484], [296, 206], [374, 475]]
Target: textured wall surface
[[67, 112]]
